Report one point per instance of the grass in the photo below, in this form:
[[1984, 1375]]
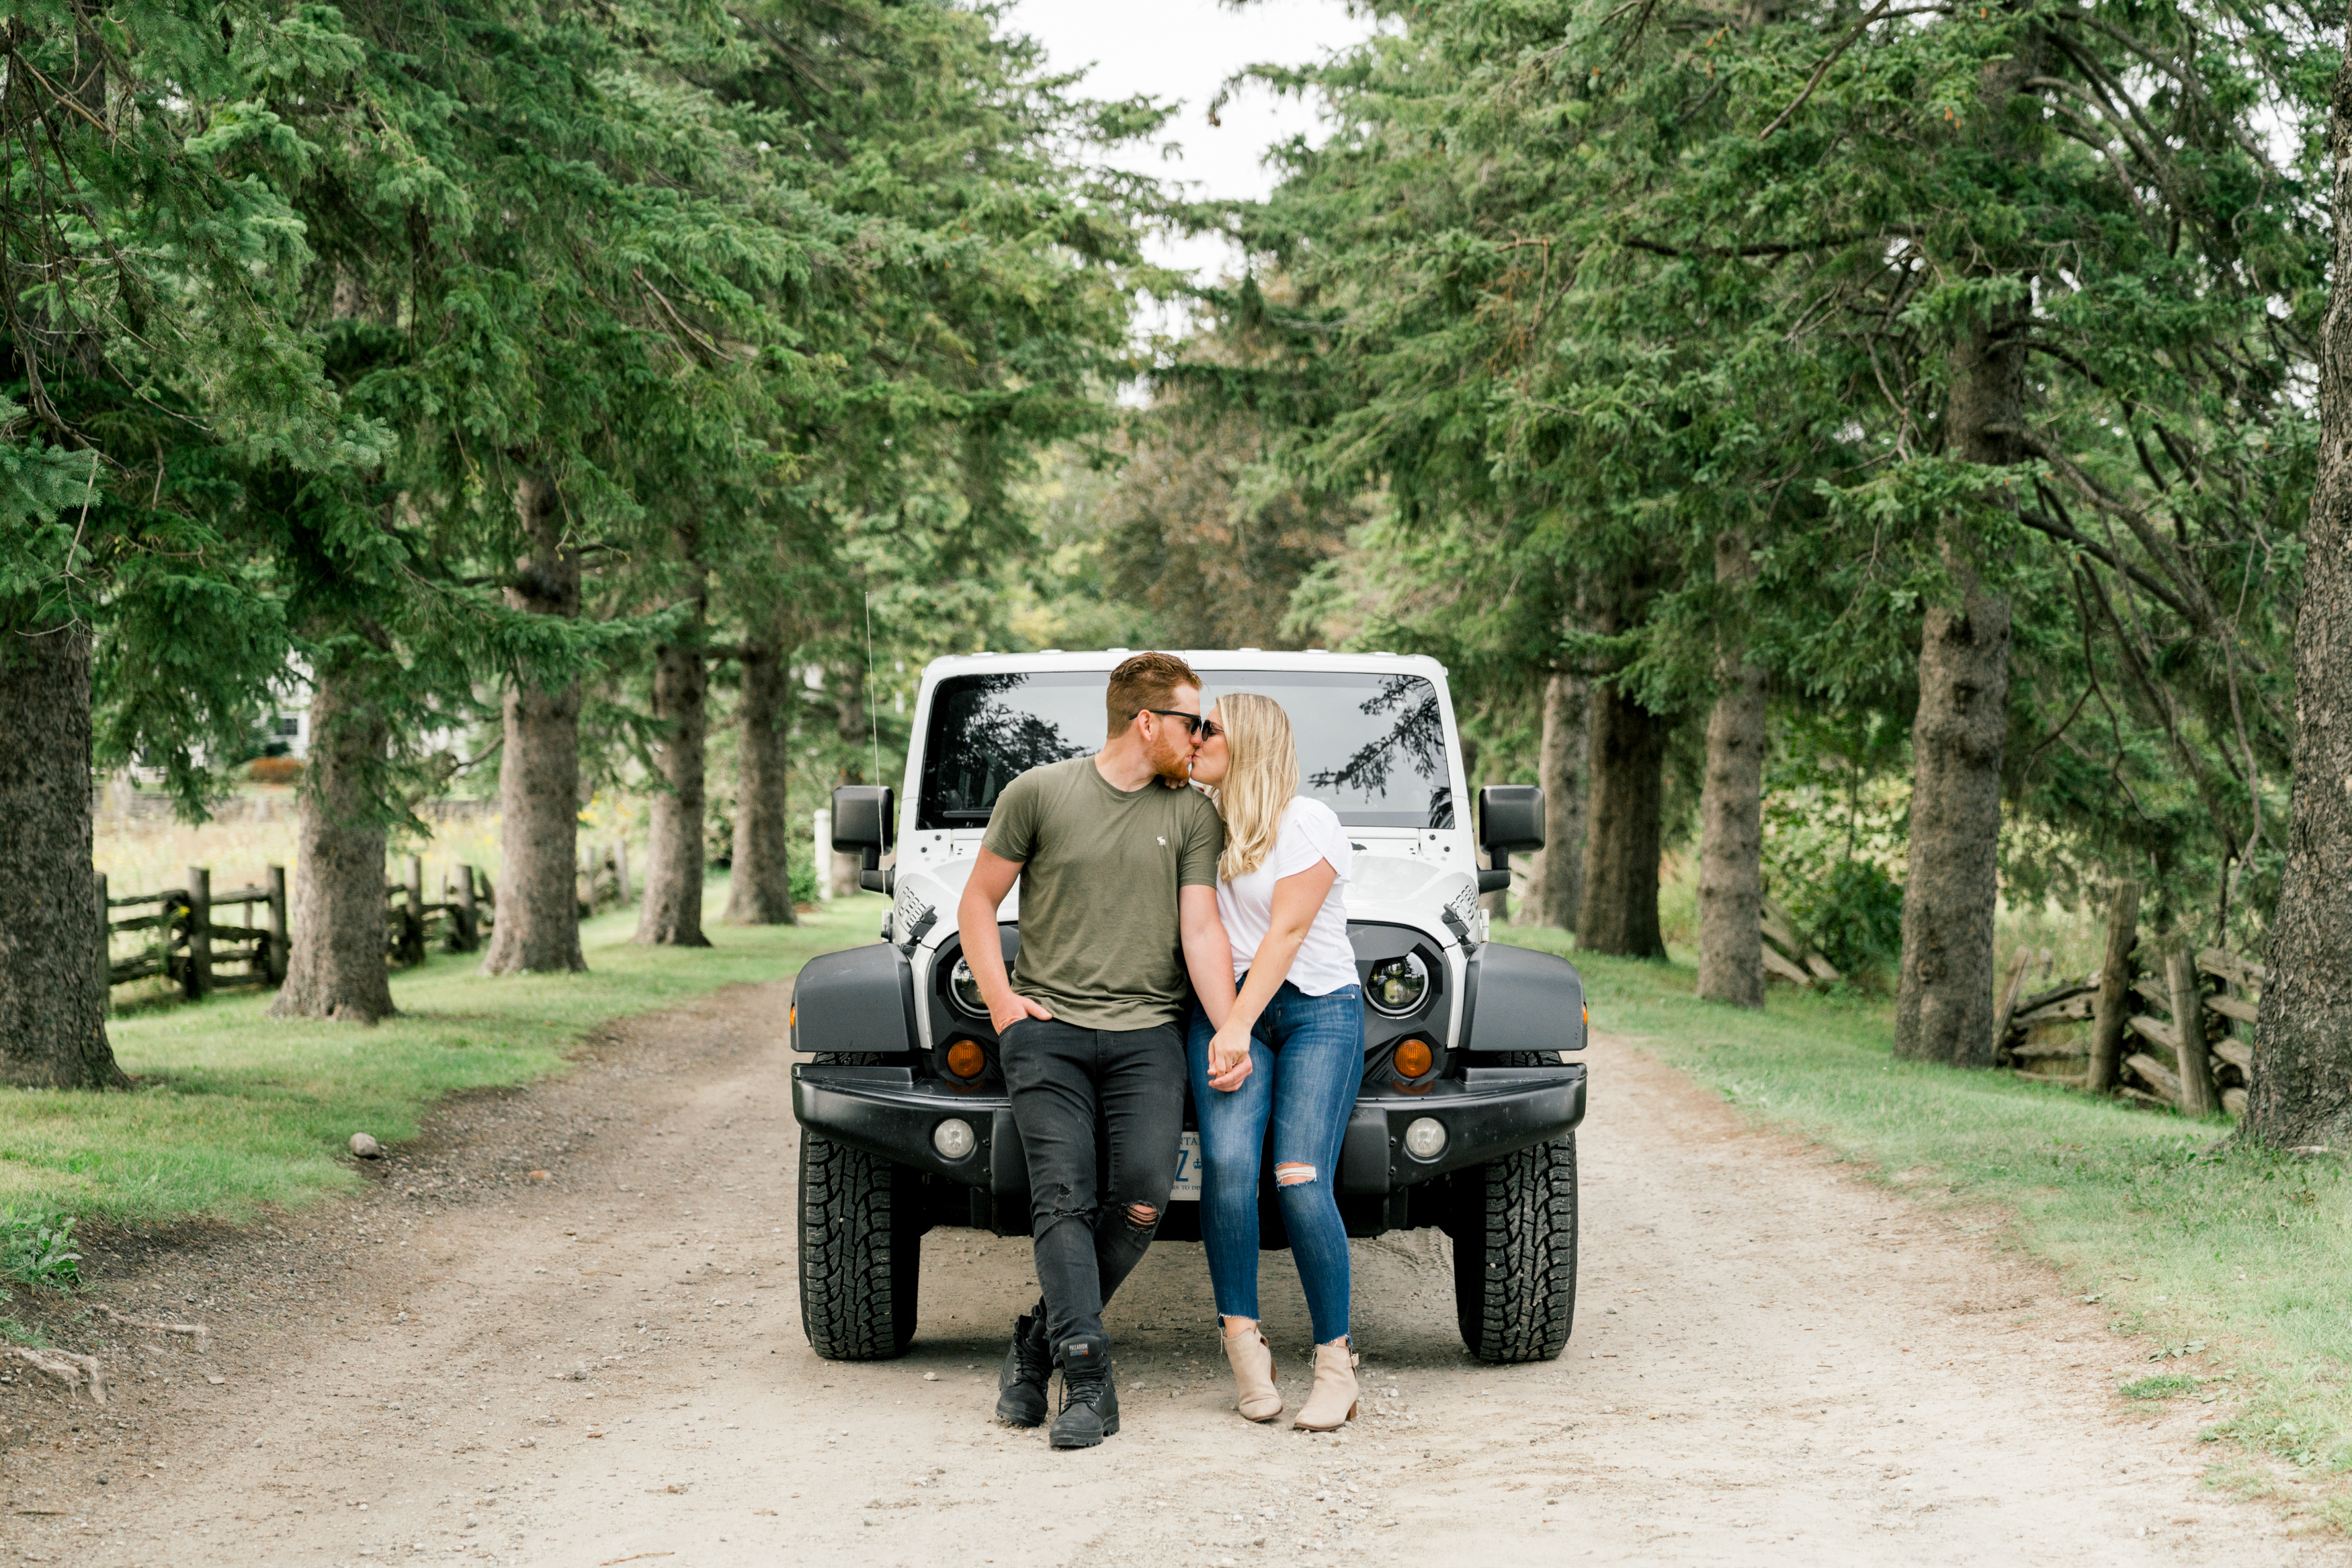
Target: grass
[[14, 1332], [2233, 1260], [233, 1110], [2161, 1386]]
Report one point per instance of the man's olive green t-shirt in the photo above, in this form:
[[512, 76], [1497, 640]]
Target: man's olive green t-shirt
[[1100, 944]]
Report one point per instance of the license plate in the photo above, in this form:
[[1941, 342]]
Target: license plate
[[1188, 1168]]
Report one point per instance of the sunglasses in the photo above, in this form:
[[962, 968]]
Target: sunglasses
[[1193, 723]]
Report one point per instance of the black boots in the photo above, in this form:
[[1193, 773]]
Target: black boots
[[1028, 1364], [1090, 1398]]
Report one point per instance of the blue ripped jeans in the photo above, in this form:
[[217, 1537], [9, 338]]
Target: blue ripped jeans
[[1306, 1058]]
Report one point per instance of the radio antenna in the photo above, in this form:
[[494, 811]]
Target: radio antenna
[[873, 723]]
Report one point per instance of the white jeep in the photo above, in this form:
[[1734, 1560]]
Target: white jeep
[[1467, 1116]]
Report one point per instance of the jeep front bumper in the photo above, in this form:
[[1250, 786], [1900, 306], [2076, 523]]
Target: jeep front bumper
[[1487, 1114]]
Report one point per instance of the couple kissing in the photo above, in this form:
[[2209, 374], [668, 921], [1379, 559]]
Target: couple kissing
[[1132, 884]]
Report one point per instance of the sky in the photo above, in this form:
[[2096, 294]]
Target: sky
[[1185, 49]]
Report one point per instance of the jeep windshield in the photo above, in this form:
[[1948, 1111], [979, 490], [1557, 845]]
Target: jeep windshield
[[1371, 746]]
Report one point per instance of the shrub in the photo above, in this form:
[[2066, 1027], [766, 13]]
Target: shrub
[[274, 769], [1853, 913], [36, 1247]]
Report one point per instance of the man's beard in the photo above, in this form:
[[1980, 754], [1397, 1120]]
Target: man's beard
[[1171, 762]]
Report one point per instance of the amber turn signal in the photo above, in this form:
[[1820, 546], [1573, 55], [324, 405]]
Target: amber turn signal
[[1411, 1059], [965, 1059]]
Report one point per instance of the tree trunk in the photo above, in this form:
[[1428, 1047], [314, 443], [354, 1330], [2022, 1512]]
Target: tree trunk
[[52, 1003], [1944, 1007], [538, 924], [2113, 1009], [760, 892], [1557, 887], [2302, 1089], [1731, 814], [1620, 912], [671, 913], [337, 967], [1944, 1002]]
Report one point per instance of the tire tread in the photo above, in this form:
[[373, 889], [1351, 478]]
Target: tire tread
[[860, 1251], [1515, 1249]]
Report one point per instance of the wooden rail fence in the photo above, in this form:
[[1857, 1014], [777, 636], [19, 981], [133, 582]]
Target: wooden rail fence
[[2208, 1068], [188, 945]]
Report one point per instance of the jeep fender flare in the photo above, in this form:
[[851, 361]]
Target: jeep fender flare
[[1520, 1000]]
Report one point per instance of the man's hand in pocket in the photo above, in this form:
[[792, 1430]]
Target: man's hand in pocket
[[1013, 1008]]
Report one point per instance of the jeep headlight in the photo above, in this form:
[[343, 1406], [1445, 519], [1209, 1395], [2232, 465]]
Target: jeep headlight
[[1397, 986], [963, 990]]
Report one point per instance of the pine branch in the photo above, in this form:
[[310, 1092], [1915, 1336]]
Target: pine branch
[[1823, 69]]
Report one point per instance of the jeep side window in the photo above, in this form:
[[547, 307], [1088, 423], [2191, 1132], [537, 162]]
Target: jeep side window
[[987, 730], [1413, 744]]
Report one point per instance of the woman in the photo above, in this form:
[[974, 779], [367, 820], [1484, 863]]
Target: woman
[[1290, 1049]]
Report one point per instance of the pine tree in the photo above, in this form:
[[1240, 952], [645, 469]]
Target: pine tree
[[1981, 326], [150, 253]]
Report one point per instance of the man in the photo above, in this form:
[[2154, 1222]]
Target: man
[[1117, 859]]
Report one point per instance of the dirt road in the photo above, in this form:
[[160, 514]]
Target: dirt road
[[1773, 1362]]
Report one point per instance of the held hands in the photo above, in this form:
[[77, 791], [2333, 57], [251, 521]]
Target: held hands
[[1012, 1007], [1229, 1059]]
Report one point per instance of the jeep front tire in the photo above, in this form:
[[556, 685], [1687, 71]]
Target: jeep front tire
[[1515, 1253], [861, 1252]]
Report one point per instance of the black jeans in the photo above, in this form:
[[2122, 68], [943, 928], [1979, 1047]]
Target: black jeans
[[1100, 1111]]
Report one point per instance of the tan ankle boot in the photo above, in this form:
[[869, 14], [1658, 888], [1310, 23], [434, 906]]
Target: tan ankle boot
[[1332, 1404], [1252, 1360]]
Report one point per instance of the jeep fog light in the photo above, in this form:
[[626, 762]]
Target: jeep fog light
[[1424, 1137], [954, 1140]]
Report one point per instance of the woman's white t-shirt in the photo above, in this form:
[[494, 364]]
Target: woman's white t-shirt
[[1310, 832]]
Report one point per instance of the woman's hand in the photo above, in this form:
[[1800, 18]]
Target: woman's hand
[[1229, 1059]]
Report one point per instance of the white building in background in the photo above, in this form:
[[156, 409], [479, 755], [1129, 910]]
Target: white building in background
[[291, 727]]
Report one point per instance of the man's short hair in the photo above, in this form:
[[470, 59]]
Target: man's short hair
[[1146, 680]]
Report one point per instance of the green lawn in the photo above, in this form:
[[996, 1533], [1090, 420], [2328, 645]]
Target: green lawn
[[233, 1110], [2236, 1261]]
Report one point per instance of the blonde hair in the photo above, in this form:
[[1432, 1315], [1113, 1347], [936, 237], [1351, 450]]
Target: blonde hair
[[1261, 777]]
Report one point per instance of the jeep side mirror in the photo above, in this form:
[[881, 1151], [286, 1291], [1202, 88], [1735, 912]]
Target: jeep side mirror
[[866, 823], [1510, 817]]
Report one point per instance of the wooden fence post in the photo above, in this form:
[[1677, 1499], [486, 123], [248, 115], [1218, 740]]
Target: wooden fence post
[[2018, 962], [199, 982], [2188, 998], [469, 931], [280, 944], [105, 956], [2114, 1006], [413, 940]]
